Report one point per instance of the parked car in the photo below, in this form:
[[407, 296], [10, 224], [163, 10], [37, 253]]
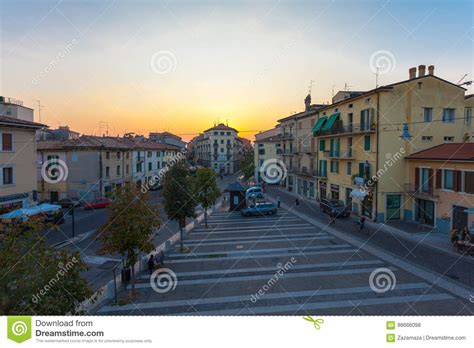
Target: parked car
[[254, 192], [98, 203], [67, 203], [334, 207], [56, 217], [266, 208]]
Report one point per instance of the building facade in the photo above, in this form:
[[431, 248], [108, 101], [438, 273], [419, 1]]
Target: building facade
[[267, 147], [441, 187]]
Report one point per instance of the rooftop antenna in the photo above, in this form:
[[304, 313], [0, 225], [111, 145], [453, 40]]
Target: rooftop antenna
[[310, 88], [333, 90], [347, 87], [39, 109], [106, 124], [376, 76], [462, 78]]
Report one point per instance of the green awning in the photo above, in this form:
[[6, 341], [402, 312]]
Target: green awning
[[318, 125], [331, 121]]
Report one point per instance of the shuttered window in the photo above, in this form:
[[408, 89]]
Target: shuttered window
[[7, 142], [469, 182]]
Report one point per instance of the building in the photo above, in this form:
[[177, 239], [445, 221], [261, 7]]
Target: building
[[298, 150], [440, 189], [267, 147], [168, 139], [18, 185], [96, 166], [62, 133], [360, 141], [220, 148]]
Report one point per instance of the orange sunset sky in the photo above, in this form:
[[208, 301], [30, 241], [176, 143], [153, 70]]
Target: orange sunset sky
[[180, 66]]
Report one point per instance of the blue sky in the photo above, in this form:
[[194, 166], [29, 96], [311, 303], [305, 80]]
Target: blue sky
[[247, 61]]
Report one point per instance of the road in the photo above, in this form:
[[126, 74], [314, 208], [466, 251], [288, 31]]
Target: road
[[288, 264]]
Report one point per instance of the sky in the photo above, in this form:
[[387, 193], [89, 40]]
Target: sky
[[181, 66]]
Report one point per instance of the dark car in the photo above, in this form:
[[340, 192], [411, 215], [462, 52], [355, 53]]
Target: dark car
[[98, 203], [260, 209], [334, 207]]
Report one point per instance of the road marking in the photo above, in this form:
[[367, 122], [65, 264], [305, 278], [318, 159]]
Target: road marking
[[273, 268], [248, 221], [207, 259], [175, 255], [293, 308], [283, 236], [246, 298], [205, 243], [245, 230], [287, 275]]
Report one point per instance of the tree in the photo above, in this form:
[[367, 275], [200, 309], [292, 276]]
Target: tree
[[178, 196], [248, 165], [36, 278], [129, 229], [206, 189]]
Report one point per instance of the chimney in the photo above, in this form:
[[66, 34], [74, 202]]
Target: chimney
[[307, 102], [421, 70], [431, 70], [412, 73]]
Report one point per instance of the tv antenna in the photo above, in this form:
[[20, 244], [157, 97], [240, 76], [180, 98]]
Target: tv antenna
[[347, 87], [39, 109], [310, 88], [376, 76], [101, 124]]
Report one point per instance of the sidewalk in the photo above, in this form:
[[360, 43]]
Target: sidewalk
[[311, 207]]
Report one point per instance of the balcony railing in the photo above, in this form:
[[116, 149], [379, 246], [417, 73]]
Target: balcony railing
[[287, 136], [288, 152], [368, 127], [420, 191]]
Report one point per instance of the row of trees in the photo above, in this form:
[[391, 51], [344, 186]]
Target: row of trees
[[34, 279]]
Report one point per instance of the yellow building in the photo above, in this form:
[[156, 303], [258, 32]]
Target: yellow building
[[18, 186], [267, 150], [441, 186]]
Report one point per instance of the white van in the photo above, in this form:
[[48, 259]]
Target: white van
[[254, 192]]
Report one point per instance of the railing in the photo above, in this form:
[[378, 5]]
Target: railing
[[288, 152], [420, 191], [368, 127], [287, 136]]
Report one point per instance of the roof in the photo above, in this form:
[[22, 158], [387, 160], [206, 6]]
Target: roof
[[270, 139], [312, 110], [87, 142], [16, 122], [221, 126], [448, 152], [236, 187], [468, 96]]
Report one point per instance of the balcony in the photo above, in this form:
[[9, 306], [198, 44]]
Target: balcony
[[420, 192], [287, 136], [363, 128], [288, 152]]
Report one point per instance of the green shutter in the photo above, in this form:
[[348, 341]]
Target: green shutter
[[322, 145], [367, 143]]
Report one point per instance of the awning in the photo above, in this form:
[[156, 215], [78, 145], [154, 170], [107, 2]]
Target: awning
[[359, 194], [25, 212], [331, 121], [318, 125]]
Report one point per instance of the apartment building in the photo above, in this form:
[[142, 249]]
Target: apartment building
[[267, 147], [363, 138], [298, 151], [220, 148], [96, 166], [441, 187], [167, 138], [18, 186]]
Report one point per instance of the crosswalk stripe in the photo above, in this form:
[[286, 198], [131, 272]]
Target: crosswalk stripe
[[205, 243], [250, 230], [246, 298], [273, 236]]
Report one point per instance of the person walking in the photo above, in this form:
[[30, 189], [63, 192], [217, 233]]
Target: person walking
[[278, 201], [454, 236], [297, 202], [151, 264], [361, 223]]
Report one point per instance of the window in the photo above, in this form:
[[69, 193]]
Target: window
[[322, 168], [157, 153], [149, 154], [228, 133], [322, 145], [7, 142], [425, 179], [468, 116], [118, 155], [448, 179], [350, 106], [107, 171], [334, 167], [149, 166], [222, 141], [127, 155], [107, 155], [127, 168], [468, 182], [427, 114], [448, 139], [367, 143], [118, 169], [216, 133], [158, 165], [365, 120], [7, 176], [222, 150], [427, 138], [349, 168], [448, 115], [139, 167]]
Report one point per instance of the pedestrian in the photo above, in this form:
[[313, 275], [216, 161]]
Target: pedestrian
[[361, 223], [278, 201], [297, 201], [454, 236], [151, 264], [465, 236], [224, 200]]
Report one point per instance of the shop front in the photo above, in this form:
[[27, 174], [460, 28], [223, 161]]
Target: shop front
[[334, 191], [322, 189]]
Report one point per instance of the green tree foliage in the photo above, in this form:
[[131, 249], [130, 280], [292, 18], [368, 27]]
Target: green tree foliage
[[248, 165], [36, 278], [130, 227], [179, 198], [206, 190]]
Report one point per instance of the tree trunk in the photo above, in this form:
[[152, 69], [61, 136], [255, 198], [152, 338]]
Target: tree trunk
[[132, 280], [181, 236], [205, 217]]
